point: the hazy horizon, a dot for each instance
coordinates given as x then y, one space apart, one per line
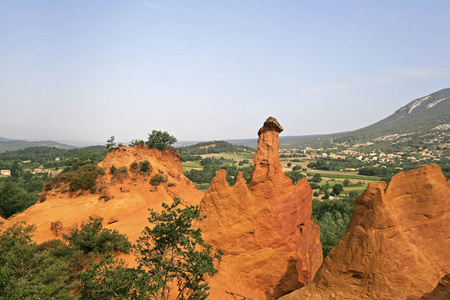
87 70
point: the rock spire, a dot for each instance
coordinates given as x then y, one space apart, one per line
270 241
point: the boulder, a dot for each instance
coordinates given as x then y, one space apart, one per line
124 189
113 220
94 217
56 227
164 178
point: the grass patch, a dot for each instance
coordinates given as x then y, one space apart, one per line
345 176
202 186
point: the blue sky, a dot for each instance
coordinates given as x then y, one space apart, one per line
204 70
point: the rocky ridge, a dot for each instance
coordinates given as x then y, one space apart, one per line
396 245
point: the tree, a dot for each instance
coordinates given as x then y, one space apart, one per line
346 182
317 178
140 143
29 271
111 142
16 170
337 189
324 188
160 140
289 164
295 176
171 251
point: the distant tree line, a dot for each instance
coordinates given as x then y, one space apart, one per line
213 147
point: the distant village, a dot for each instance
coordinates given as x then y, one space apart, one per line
375 158
33 171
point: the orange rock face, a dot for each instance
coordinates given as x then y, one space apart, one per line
270 242
396 245
123 201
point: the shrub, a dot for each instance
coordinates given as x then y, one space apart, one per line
56 181
145 166
156 180
139 143
84 181
112 170
84 178
120 174
134 167
94 238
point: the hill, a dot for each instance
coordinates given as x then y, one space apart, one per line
13 145
423 121
213 147
124 193
284 140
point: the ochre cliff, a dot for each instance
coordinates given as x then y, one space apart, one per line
397 243
270 242
123 201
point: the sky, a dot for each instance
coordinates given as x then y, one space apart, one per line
212 70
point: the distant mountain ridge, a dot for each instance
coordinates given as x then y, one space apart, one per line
422 114
426 119
13 145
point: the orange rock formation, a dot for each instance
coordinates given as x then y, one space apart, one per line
270 242
122 202
397 243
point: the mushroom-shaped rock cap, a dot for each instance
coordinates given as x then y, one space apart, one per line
271 124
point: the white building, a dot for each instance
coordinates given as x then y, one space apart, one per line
5 172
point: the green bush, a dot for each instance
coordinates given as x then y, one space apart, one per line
96 239
120 174
156 180
145 166
112 170
84 178
134 167
84 181
55 182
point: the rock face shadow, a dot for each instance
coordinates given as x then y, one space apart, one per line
288 283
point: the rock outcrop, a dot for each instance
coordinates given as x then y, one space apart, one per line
126 195
396 245
270 242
